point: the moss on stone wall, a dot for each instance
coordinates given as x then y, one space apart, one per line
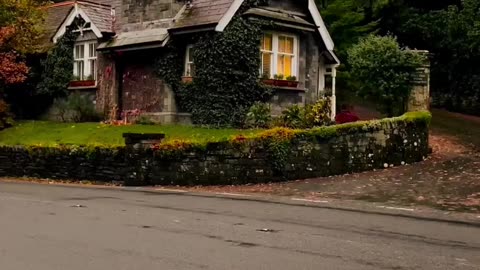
274 155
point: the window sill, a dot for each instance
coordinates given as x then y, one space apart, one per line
83 88
187 79
82 84
281 83
74 85
298 89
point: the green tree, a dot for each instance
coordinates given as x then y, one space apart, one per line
350 20
384 72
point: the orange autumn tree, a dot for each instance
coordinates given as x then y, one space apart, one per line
20 27
12 68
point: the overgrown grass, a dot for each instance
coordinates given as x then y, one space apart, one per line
52 134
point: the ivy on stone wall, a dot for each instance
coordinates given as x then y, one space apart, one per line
227 66
57 67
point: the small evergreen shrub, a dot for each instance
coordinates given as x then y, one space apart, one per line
316 115
319 114
259 116
144 120
293 117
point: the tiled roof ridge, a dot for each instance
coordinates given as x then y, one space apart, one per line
68 3
93 3
59 4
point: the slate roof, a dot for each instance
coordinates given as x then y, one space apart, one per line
203 12
100 14
127 39
54 17
280 15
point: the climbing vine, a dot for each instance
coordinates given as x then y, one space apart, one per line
226 81
57 67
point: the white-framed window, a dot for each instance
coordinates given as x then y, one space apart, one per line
279 54
189 62
85 61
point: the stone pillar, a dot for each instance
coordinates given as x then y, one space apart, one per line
420 96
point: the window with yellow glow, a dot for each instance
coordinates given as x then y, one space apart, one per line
279 55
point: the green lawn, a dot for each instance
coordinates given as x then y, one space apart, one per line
50 134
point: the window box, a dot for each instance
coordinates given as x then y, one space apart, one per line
86 83
187 79
281 83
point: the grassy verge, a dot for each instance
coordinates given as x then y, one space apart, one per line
52 134
94 134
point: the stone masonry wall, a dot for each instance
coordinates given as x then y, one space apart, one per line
141 14
108 84
141 88
365 147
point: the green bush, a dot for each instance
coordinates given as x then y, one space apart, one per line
319 114
384 72
76 108
259 116
293 117
144 120
316 115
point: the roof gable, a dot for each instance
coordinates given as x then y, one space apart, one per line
55 15
204 12
219 13
61 15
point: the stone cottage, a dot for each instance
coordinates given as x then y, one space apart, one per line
119 40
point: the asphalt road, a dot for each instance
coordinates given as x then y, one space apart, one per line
41 228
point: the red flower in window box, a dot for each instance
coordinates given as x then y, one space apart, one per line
86 83
281 83
268 81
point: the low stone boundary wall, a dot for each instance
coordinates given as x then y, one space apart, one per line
274 155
